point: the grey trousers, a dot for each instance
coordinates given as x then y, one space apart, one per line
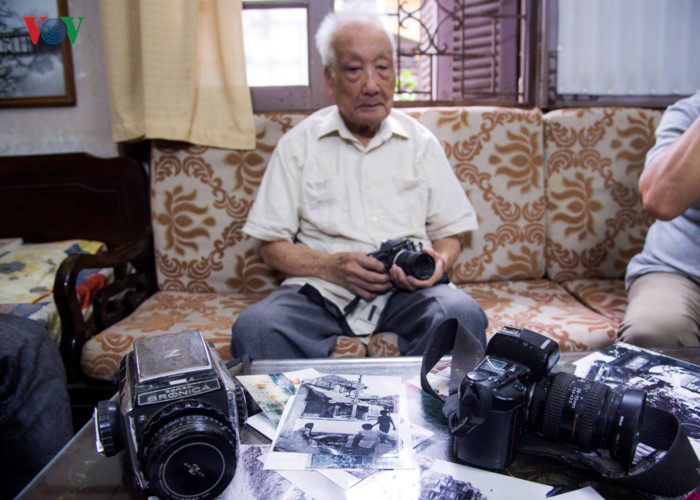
35 417
663 311
289 324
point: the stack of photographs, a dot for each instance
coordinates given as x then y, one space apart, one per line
344 422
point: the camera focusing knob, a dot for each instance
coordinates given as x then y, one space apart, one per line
241 406
107 428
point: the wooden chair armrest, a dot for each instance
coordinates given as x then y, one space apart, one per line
134 281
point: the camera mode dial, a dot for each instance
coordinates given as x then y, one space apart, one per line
477 376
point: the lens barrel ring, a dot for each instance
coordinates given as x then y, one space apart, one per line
540 390
554 404
581 430
590 420
177 409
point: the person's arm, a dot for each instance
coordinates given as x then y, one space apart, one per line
670 182
360 274
445 252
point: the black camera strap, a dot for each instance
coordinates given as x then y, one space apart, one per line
677 472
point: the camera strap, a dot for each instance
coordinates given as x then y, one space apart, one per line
675 472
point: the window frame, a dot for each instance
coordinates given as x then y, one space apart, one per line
536 59
295 97
547 95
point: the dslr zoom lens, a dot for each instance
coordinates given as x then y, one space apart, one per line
569 409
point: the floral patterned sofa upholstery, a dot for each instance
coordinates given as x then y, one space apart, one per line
556 194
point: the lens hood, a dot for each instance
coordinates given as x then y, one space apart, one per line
629 422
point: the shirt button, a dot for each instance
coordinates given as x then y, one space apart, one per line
374 218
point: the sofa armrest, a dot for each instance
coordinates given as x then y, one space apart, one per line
133 283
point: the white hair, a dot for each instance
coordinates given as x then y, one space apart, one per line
334 21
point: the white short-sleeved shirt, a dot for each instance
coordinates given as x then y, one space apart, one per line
325 190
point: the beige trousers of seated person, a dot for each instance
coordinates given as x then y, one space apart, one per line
663 311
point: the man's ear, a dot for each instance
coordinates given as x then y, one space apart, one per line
330 88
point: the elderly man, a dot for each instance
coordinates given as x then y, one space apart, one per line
340 183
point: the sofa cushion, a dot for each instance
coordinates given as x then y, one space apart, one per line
498 155
166 312
595 220
606 297
545 307
200 199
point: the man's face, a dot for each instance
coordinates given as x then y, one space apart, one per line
361 81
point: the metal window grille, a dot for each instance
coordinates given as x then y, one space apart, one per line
466 51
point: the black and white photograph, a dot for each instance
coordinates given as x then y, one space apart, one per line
450 480
253 482
345 479
671 384
344 422
34 72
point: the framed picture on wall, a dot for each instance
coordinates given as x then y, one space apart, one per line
36 65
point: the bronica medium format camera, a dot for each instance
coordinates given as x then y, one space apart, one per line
511 391
178 414
408 256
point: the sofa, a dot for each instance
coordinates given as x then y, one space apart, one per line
556 195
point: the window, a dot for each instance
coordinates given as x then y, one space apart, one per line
283 66
448 50
463 50
626 52
546 53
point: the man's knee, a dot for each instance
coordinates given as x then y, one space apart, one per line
653 328
661 312
30 348
22 332
247 330
460 305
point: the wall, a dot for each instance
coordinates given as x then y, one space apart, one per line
85 127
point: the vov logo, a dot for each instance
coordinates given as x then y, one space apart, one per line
53 30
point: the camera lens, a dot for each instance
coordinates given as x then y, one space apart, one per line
418 264
191 456
569 409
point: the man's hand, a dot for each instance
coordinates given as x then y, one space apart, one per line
362 275
445 251
357 272
410 283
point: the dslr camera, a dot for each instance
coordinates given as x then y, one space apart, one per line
178 413
511 391
408 256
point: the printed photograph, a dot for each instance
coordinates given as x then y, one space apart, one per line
671 384
449 480
438 479
253 482
271 392
344 422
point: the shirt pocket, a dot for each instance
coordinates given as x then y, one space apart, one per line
412 201
323 203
